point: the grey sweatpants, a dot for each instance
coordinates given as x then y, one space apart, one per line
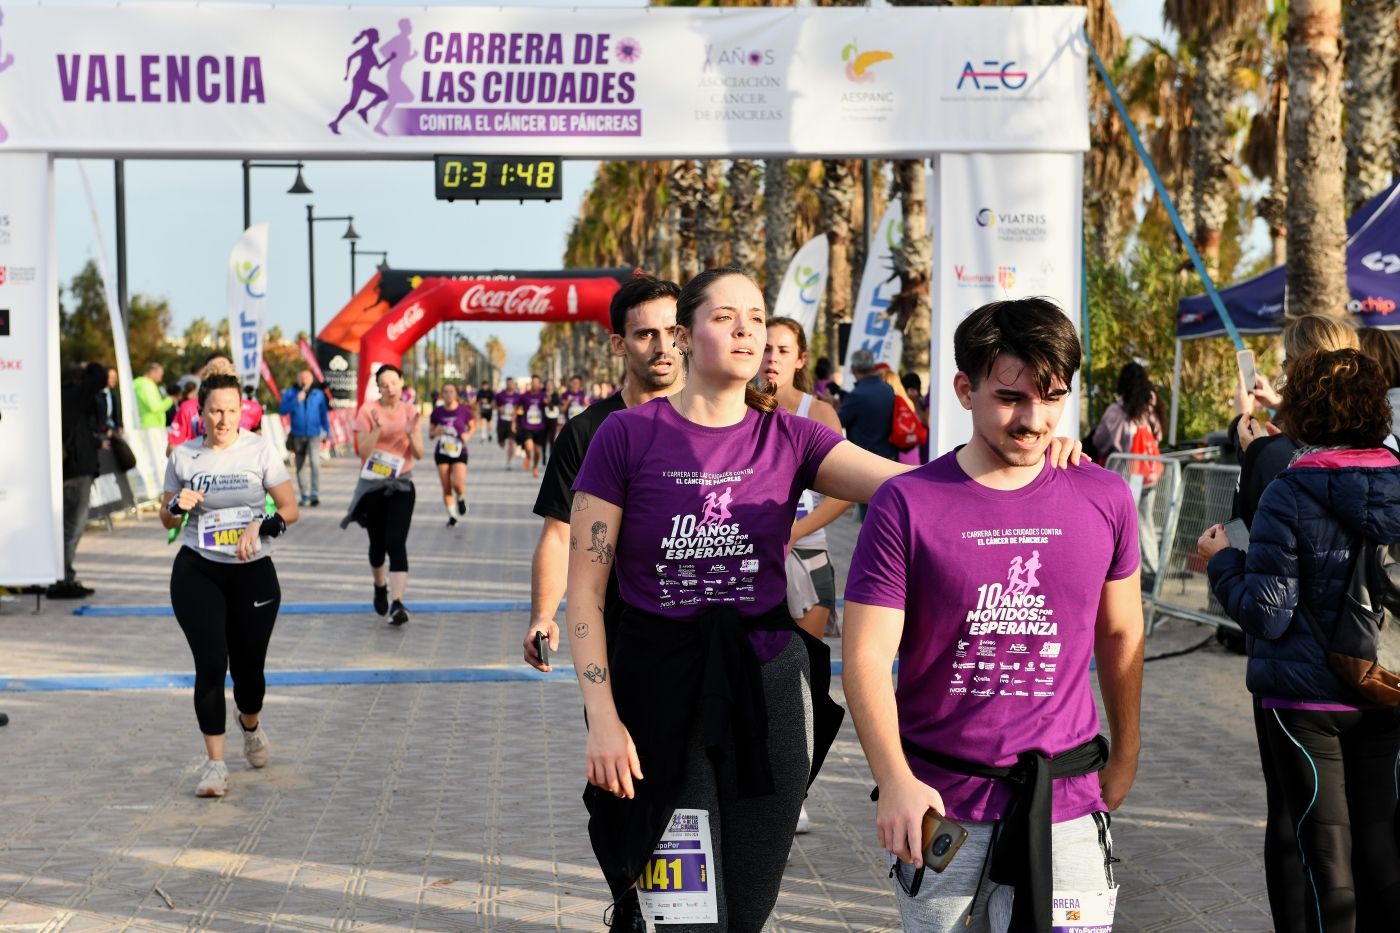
751 838
1082 853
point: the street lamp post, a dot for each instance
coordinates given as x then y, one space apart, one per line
354 251
311 221
298 186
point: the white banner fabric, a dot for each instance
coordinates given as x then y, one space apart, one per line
247 293
126 390
872 327
163 79
805 284
31 455
1009 226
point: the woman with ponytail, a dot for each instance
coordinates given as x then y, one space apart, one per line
709 689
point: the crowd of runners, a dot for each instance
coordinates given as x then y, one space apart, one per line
684 517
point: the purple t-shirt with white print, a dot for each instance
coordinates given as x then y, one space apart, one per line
1000 590
706 512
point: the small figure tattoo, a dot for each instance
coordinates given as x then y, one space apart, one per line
581 502
595 674
601 547
573 543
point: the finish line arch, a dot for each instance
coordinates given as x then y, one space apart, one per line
557 298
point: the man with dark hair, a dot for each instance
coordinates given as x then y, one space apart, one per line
996 578
643 315
81 440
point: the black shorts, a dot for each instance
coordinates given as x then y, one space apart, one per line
440 459
503 433
823 574
539 435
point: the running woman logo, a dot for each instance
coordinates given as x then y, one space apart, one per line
6 60
716 507
1012 608
365 60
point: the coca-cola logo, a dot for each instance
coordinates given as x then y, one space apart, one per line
411 315
522 299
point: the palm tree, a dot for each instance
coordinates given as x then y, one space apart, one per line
779 221
1317 274
685 183
913 260
1213 28
1265 149
1373 52
837 201
745 238
709 215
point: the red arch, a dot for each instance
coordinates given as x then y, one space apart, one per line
435 300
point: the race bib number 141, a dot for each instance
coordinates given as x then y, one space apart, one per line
675 884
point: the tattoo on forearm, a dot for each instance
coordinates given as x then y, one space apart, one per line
573 543
581 630
581 501
596 674
601 547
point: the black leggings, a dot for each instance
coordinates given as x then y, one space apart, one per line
227 612
387 519
1337 773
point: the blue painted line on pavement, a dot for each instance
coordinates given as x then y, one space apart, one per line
354 608
308 678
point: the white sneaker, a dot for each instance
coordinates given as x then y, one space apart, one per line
256 746
213 779
804 822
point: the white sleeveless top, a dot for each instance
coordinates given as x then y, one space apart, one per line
807 504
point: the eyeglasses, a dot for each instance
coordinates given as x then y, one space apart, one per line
912 888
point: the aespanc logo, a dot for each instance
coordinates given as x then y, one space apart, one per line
858 63
992 75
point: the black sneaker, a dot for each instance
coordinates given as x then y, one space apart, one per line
315 501
381 600
461 506
398 615
4 719
68 589
451 521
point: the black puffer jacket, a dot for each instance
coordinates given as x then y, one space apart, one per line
1300 547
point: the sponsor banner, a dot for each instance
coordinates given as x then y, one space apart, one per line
309 357
1009 227
805 284
872 326
126 392
31 458
267 377
207 79
247 293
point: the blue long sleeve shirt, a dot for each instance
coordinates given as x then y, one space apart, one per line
310 418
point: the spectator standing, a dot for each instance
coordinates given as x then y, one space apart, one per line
109 406
867 410
1131 426
309 409
152 403
81 440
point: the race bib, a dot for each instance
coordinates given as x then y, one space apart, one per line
533 416
1082 911
806 504
575 408
450 446
508 411
220 529
382 465
675 885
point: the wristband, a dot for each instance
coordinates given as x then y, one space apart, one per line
272 526
174 507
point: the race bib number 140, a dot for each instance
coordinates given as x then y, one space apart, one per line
220 529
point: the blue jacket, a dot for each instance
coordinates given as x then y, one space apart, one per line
310 418
1300 547
867 413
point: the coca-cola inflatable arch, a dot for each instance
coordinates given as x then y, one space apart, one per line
553 297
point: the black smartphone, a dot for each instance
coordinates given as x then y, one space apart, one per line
941 838
542 647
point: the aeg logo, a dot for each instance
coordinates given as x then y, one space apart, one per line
993 75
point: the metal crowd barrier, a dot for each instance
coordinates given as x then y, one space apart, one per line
1193 493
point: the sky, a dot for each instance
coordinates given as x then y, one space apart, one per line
183 218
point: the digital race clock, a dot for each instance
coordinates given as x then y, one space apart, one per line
497 178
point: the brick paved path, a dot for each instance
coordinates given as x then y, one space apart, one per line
455 806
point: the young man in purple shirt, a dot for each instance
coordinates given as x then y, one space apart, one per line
507 403
996 579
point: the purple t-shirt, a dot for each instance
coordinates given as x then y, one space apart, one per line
573 403
505 405
531 408
1000 591
706 512
458 420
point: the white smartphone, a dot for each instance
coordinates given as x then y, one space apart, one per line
1237 534
1245 359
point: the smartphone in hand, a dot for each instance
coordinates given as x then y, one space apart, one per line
941 840
542 647
1248 376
